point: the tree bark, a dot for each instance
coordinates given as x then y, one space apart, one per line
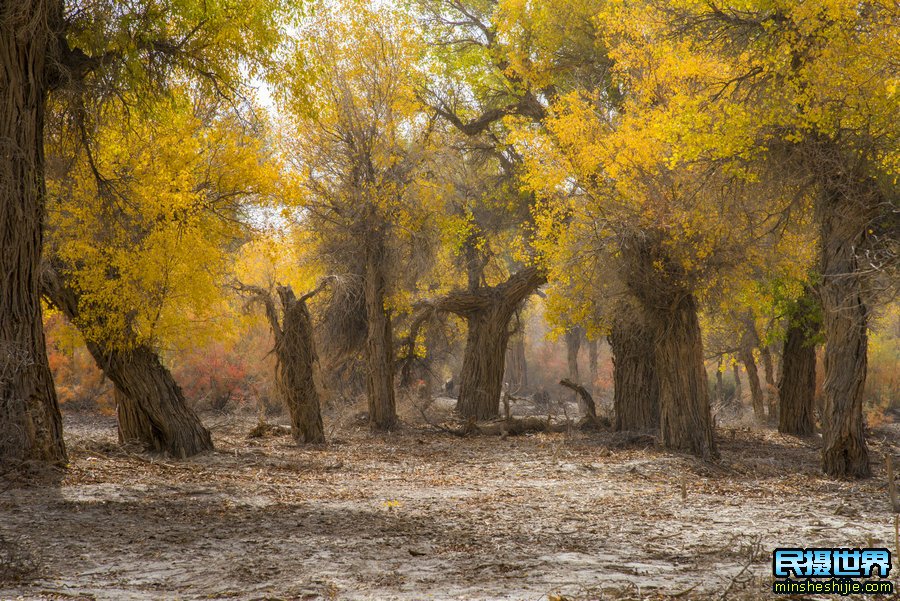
379 342
487 311
481 378
296 356
149 403
844 216
797 388
636 386
756 393
30 421
587 401
684 415
573 346
670 309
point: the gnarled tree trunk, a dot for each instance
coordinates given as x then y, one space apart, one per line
684 414
797 388
481 378
30 421
636 387
592 362
150 405
685 421
487 311
379 342
845 212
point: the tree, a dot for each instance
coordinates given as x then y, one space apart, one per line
51 47
141 218
360 149
296 358
809 90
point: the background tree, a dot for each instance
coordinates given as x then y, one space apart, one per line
359 147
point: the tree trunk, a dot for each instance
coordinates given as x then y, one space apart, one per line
150 405
846 340
797 388
738 391
296 354
573 346
487 311
636 387
684 413
30 421
516 365
756 393
771 387
481 378
592 363
379 343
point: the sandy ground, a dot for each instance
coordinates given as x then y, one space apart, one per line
421 514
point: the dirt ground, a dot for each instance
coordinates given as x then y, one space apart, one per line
422 514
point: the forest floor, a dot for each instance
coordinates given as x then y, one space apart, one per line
422 514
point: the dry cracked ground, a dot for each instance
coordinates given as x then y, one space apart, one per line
422 514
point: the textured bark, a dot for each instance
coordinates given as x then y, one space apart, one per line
295 353
592 362
487 311
738 389
684 412
153 411
30 421
150 405
379 342
636 387
671 312
481 378
843 224
756 392
797 388
516 364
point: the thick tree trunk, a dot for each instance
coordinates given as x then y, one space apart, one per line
516 364
797 388
296 354
487 311
756 392
846 340
684 413
636 387
150 405
738 389
30 421
379 343
771 395
481 378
